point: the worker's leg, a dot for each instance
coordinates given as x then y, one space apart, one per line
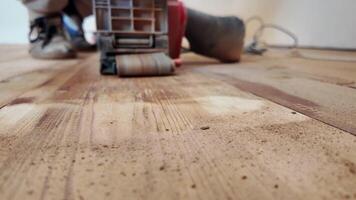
42 8
46 36
77 10
84 7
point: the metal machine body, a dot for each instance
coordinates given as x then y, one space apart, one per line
139 37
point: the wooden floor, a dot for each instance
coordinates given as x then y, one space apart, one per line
273 127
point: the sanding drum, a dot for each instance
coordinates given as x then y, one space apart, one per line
151 64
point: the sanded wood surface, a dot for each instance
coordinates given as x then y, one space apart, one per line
270 127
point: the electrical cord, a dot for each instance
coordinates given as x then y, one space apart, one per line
259 47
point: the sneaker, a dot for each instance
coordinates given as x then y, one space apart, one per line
73 25
47 39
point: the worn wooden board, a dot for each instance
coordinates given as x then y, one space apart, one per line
323 90
68 133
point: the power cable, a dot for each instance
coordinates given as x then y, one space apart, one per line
258 47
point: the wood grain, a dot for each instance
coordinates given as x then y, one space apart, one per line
320 89
68 133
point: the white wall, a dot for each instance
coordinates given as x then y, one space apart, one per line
13 22
330 23
323 23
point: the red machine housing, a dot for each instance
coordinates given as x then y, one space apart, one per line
177 17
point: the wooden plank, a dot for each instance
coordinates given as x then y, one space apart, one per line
320 89
13 52
22 75
189 136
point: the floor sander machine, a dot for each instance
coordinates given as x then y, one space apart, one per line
144 37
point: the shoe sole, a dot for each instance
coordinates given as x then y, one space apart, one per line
55 56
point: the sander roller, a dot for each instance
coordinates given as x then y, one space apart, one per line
144 37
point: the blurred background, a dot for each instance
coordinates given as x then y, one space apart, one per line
317 23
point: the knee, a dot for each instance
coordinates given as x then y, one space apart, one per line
84 7
46 6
